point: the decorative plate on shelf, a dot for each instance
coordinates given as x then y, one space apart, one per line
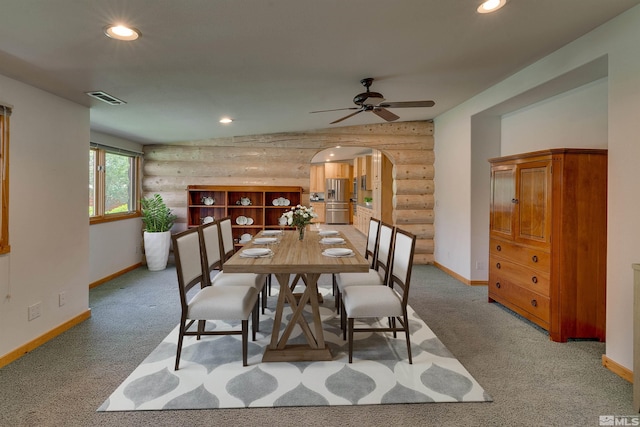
241 220
245 201
207 219
249 221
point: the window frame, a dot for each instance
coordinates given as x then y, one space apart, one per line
5 113
99 182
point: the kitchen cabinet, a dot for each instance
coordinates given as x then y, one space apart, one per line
251 208
365 173
547 256
362 217
317 176
337 170
318 207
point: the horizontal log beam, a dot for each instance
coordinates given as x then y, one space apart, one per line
423 259
421 231
414 201
405 171
412 217
413 186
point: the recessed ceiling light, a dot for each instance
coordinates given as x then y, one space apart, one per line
491 6
332 154
121 32
225 120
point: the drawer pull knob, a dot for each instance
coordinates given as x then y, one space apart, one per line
534 279
514 201
498 265
498 248
498 285
534 258
534 303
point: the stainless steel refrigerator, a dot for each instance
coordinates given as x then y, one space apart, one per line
336 201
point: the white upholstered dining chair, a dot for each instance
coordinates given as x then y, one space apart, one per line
212 242
374 301
202 302
377 275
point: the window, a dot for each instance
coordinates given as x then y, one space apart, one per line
113 183
5 112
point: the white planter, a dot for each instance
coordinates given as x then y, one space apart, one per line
156 249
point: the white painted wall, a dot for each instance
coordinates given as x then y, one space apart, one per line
48 225
618 40
114 246
574 119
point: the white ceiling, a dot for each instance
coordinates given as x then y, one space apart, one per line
268 63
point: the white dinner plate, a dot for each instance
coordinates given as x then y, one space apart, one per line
271 232
332 240
241 220
264 240
256 252
275 202
246 236
249 220
337 252
207 219
328 232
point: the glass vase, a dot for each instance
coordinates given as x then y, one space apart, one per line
300 229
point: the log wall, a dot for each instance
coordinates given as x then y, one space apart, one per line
284 159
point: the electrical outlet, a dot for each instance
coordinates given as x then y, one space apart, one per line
62 299
34 311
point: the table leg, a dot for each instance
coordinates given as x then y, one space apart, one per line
278 349
283 280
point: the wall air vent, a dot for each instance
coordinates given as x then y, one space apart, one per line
105 97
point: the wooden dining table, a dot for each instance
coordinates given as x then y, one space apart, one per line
303 258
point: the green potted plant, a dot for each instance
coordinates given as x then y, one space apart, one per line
368 201
157 220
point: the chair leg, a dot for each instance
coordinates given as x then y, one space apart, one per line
179 350
201 326
406 331
350 339
264 298
269 283
392 323
334 283
245 334
255 320
343 321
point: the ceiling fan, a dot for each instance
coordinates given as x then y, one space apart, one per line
374 102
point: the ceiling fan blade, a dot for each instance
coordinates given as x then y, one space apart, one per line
336 109
385 114
360 110
407 104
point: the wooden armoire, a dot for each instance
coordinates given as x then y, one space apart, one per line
548 239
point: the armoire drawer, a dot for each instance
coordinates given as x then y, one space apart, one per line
529 257
534 280
514 296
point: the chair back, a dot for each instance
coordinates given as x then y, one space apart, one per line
383 257
404 244
371 252
226 235
186 250
211 244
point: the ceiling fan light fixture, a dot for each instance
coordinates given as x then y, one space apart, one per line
489 6
122 32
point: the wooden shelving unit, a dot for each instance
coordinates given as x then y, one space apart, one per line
228 202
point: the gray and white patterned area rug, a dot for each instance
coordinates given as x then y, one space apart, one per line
211 374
